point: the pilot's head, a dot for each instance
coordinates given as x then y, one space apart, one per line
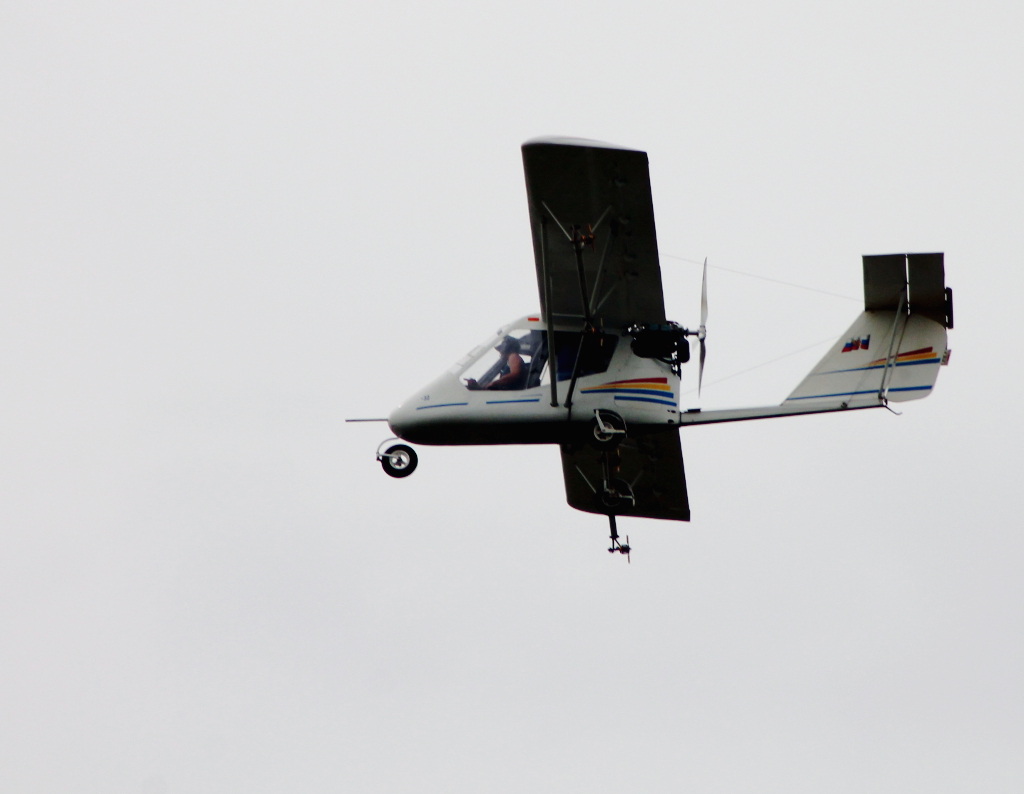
508 346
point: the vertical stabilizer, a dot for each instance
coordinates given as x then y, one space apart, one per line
894 349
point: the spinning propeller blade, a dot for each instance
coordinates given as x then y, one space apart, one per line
703 331
704 297
700 370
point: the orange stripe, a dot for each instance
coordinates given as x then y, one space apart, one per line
906 357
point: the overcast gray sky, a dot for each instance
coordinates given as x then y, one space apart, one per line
225 227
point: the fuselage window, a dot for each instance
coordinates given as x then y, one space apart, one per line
519 360
595 355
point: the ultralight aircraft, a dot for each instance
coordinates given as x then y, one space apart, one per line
597 370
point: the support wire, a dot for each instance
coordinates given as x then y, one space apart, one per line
764 278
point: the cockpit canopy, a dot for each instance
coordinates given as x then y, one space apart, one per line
516 358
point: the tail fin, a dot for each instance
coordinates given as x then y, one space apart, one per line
891 353
894 349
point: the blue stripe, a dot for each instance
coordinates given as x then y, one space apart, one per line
502 402
882 366
851 393
646 400
440 405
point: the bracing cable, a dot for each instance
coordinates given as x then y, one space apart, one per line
764 278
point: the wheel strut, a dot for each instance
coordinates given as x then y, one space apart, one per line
621 548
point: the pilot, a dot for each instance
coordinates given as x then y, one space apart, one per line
513 369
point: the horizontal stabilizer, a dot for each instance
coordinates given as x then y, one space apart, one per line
885 282
894 282
929 295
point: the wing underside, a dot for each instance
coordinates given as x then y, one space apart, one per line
594 199
641 477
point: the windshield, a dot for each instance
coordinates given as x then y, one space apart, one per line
517 359
513 362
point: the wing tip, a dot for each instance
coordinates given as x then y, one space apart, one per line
566 140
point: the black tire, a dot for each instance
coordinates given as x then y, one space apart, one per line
399 461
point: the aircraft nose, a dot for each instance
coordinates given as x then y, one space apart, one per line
402 419
410 422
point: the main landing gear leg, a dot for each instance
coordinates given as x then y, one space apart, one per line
621 548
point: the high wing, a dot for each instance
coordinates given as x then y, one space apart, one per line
891 353
595 199
648 467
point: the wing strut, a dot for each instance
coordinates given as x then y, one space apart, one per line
576 369
890 360
580 240
549 315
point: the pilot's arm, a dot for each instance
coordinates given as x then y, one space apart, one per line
513 376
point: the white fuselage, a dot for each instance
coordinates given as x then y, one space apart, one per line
642 391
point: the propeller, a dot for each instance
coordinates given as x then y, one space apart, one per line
702 332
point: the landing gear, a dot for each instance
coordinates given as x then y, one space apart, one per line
621 548
609 429
616 492
398 460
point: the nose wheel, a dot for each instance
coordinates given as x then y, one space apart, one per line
397 460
